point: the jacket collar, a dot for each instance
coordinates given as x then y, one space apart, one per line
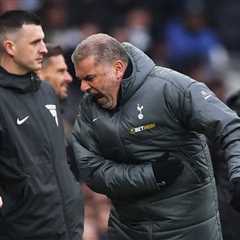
141 67
21 83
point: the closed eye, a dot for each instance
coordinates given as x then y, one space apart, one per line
89 78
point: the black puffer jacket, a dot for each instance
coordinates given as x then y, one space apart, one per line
159 111
41 199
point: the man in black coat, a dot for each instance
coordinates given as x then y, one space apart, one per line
41 198
140 138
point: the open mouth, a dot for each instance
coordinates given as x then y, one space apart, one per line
96 94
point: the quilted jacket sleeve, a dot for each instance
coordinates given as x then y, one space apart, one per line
104 175
203 112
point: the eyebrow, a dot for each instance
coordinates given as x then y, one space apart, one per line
88 77
36 40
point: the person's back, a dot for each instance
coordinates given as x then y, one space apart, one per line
41 199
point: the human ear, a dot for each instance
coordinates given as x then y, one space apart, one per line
119 69
9 47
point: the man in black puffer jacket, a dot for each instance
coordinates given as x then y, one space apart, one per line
41 198
140 138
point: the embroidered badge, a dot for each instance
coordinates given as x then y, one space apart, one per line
142 128
53 111
140 108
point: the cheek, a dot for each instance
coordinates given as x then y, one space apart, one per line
23 57
28 54
58 84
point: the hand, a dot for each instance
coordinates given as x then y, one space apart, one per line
235 201
166 170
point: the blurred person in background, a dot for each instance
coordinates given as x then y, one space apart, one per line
55 71
138 23
189 35
40 197
140 139
56 17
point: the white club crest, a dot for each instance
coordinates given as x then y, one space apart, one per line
140 108
53 111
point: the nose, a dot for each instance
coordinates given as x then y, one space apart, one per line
43 48
84 86
67 77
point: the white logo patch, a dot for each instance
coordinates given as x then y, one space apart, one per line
21 121
205 95
53 111
140 108
95 119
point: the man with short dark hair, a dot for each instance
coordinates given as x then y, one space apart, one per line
41 199
140 139
55 70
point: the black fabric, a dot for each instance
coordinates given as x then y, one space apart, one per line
129 69
235 201
41 198
166 170
28 82
72 161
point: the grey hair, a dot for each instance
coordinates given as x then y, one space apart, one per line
102 47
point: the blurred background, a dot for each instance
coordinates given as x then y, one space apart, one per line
196 37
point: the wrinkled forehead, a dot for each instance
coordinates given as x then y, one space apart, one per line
86 64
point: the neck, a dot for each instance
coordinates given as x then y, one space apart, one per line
10 66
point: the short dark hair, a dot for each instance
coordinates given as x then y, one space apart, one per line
53 50
12 20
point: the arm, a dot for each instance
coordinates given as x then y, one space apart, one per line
203 112
116 180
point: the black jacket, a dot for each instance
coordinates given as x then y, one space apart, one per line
159 111
41 199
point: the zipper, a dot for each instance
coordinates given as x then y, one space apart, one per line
51 148
59 185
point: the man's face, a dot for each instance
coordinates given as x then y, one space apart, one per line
28 48
100 79
56 72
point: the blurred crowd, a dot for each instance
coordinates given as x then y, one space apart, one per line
195 37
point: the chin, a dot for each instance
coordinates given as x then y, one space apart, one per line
36 67
63 97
